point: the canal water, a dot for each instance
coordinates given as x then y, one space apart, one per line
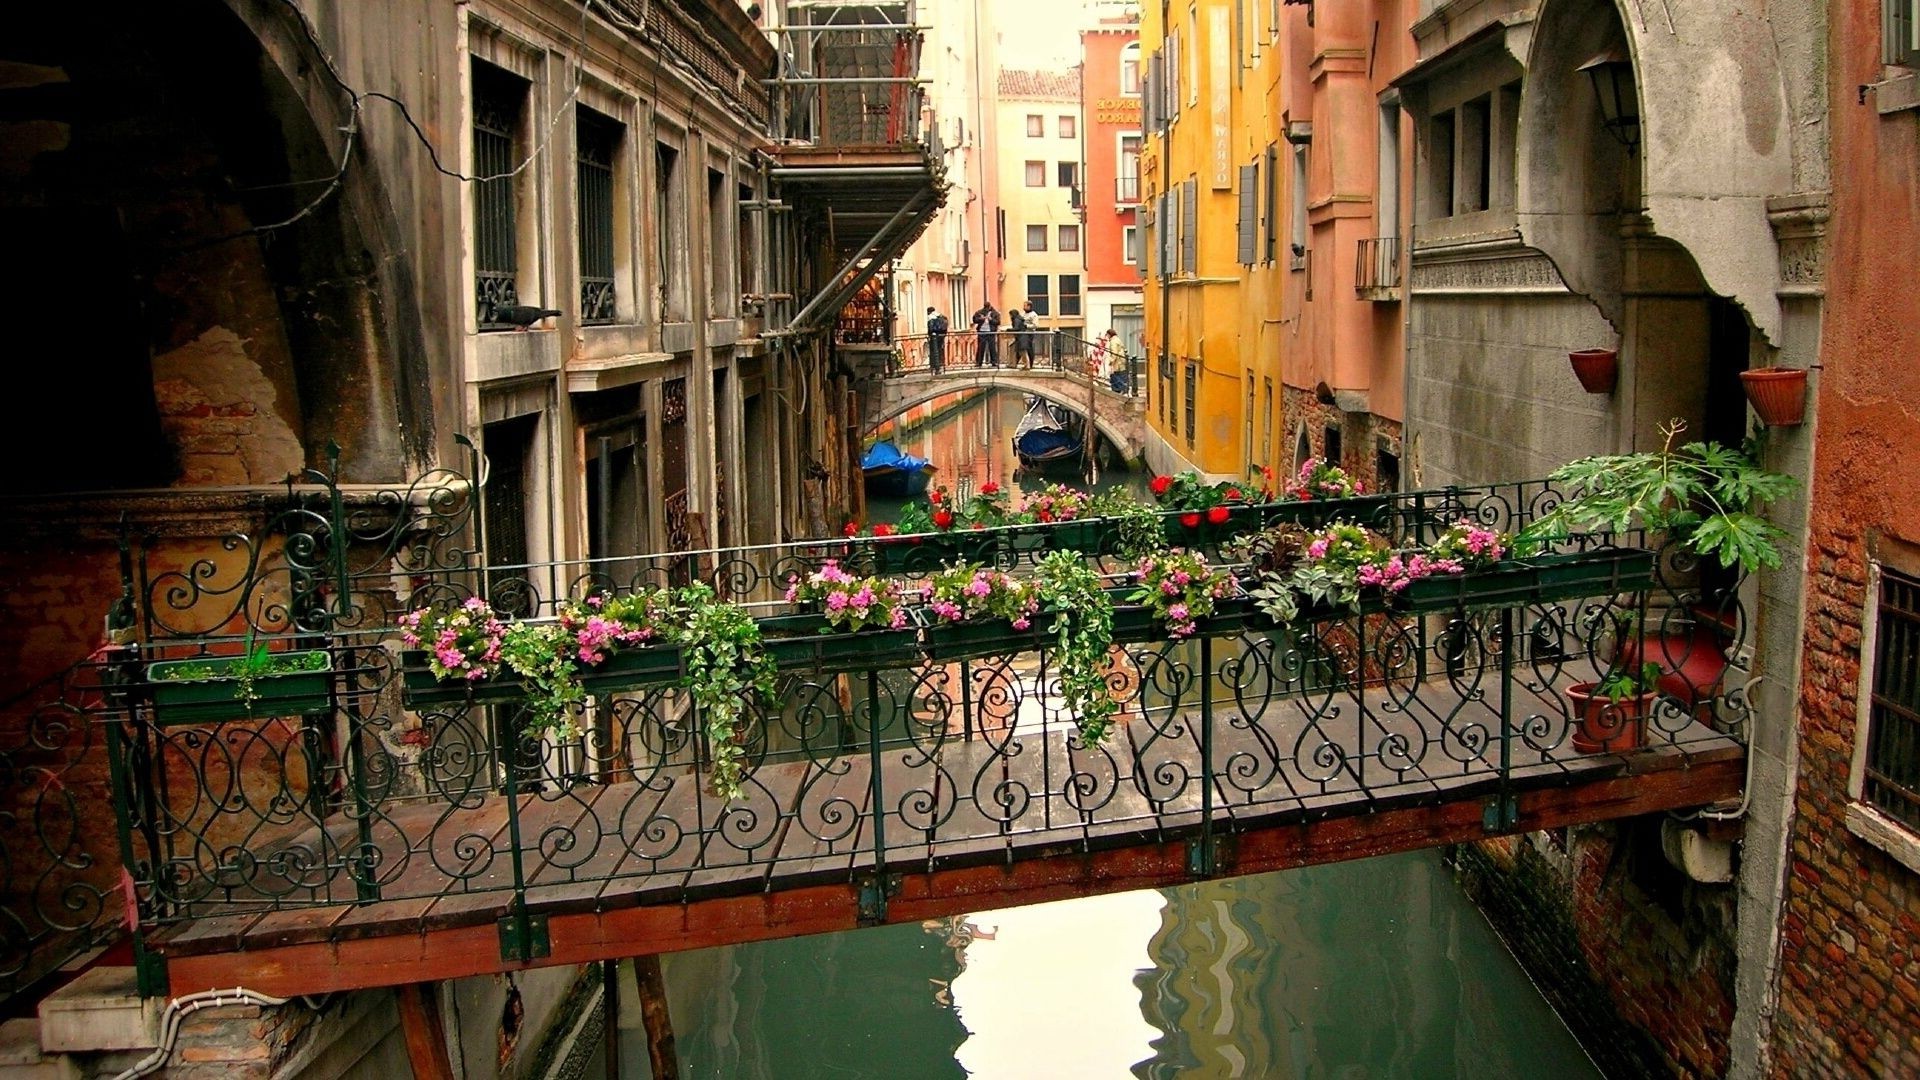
1371 970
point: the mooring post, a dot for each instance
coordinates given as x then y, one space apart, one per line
661 1056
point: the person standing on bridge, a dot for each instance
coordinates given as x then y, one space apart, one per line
936 340
986 326
1026 325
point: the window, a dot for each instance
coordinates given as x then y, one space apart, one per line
1298 234
669 206
720 300
1130 245
1069 295
1036 174
1474 152
1266 423
1036 238
498 98
1127 170
743 239
1068 173
1890 777
1439 186
1066 127
1387 209
1188 406
1900 33
1246 436
1330 443
1249 222
1036 125
1504 152
1170 95
1189 225
1037 293
596 142
1069 238
1130 70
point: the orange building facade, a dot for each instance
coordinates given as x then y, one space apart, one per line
1110 115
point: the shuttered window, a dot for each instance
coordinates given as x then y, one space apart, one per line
1272 214
1189 220
1249 212
1150 99
1168 223
1900 32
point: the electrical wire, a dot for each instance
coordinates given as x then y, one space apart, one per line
181 1007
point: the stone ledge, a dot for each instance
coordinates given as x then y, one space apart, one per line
1884 833
100 1010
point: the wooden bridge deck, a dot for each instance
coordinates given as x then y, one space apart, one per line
622 869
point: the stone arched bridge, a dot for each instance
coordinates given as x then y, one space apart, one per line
1121 418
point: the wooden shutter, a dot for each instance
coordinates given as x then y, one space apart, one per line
1189 217
1249 211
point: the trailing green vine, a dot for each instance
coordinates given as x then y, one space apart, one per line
1083 637
725 666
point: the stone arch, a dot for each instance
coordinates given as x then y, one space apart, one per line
1129 446
1716 142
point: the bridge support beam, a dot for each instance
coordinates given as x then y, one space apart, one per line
1545 800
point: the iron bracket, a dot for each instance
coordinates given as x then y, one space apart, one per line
1500 813
874 891
1209 856
523 937
149 970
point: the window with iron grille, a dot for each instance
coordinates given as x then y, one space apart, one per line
597 139
1892 777
498 98
1193 389
1069 294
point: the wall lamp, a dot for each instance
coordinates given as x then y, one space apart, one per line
1612 76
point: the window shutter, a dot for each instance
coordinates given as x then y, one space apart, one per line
1189 215
1169 229
1249 186
1150 95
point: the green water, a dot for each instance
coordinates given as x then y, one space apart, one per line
1372 969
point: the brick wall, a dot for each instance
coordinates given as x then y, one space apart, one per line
1849 989
1637 961
1360 436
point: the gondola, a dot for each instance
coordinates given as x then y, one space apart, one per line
1047 435
891 473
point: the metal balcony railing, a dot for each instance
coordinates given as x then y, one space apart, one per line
1126 190
889 749
1376 266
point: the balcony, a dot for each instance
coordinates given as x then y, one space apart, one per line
1376 269
1126 190
377 808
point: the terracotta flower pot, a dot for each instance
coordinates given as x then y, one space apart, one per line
1779 395
1597 369
1602 725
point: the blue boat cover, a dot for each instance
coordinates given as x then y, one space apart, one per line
1044 443
885 455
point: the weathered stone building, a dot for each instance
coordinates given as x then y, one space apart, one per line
270 227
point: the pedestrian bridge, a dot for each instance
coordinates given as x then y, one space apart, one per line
393 830
1060 373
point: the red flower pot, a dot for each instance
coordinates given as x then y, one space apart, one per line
1597 369
1602 725
1779 395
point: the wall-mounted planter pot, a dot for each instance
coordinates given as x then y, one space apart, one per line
1597 369
203 689
1779 395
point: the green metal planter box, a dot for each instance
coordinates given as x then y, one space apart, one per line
1089 536
201 689
1241 519
922 554
1541 579
420 686
1133 624
1235 615
633 669
950 641
1369 510
809 642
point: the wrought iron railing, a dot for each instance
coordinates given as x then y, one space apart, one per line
933 746
964 351
1126 190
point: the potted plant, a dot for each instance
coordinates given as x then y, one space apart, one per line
1082 638
1197 511
1778 395
625 641
1610 715
253 683
846 622
451 653
1321 492
973 611
1178 589
1703 494
1597 369
727 669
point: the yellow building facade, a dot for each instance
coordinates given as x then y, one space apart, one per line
1274 152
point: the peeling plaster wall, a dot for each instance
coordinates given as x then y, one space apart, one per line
222 414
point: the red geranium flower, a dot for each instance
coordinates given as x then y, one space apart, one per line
1045 515
943 518
883 529
1217 515
1234 494
979 525
1191 521
1160 484
989 488
853 528
934 496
